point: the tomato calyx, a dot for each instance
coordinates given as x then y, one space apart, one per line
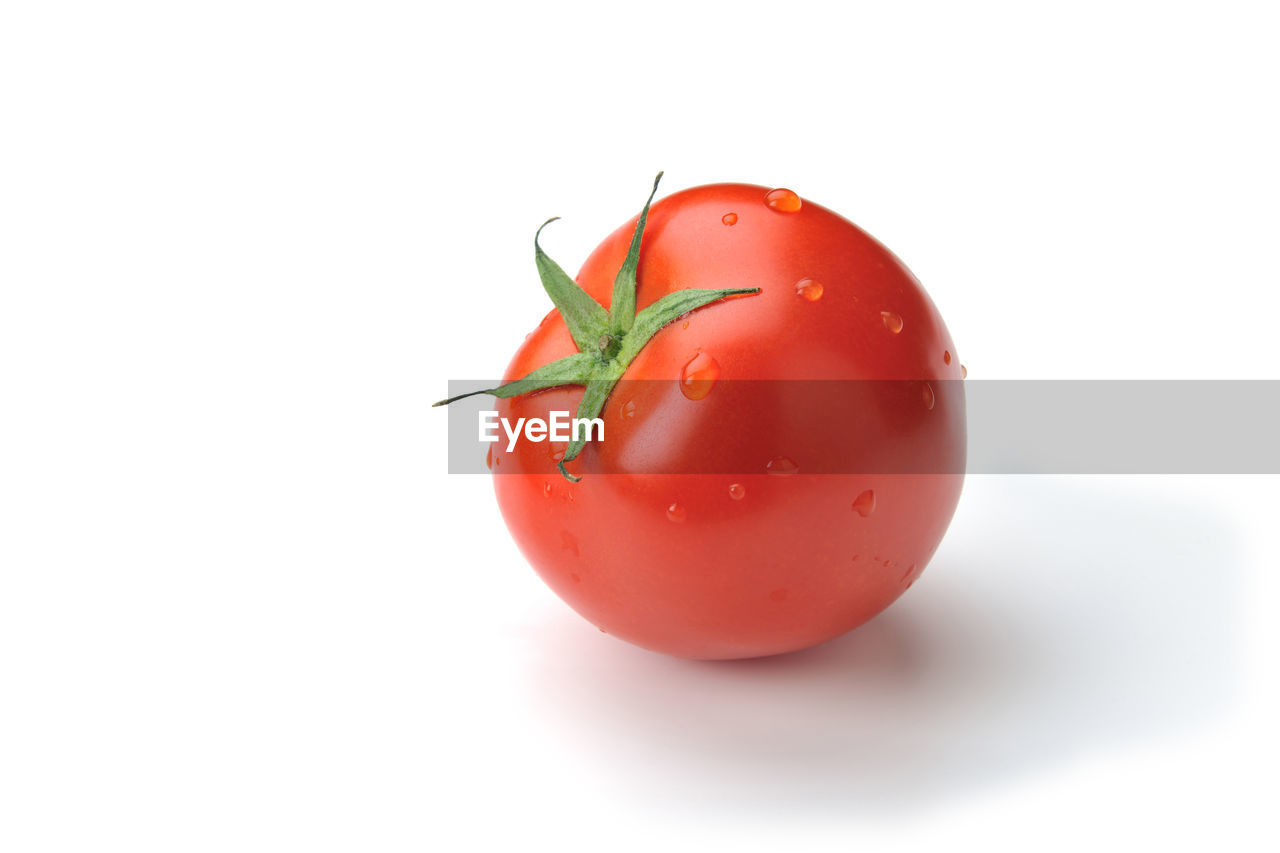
609 346
607 340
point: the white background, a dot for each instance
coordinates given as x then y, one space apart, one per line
242 246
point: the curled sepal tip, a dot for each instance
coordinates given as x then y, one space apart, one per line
587 320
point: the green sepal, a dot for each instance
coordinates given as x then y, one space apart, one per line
665 310
600 384
648 323
608 340
622 309
571 370
587 320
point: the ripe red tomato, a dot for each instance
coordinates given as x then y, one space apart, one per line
772 559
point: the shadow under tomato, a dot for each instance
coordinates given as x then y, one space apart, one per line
1072 616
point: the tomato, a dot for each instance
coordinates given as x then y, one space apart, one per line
781 544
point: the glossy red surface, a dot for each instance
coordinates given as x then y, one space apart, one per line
767 558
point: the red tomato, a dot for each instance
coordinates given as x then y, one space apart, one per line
773 559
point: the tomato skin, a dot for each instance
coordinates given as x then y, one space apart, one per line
682 564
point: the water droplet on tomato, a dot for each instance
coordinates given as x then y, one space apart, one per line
782 200
855 559
926 394
865 504
575 577
737 491
699 376
782 466
729 219
946 356
676 513
892 321
809 289
908 573
778 595
546 490
488 458
964 372
556 451
629 409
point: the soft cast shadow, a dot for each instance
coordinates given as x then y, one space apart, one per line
1073 619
